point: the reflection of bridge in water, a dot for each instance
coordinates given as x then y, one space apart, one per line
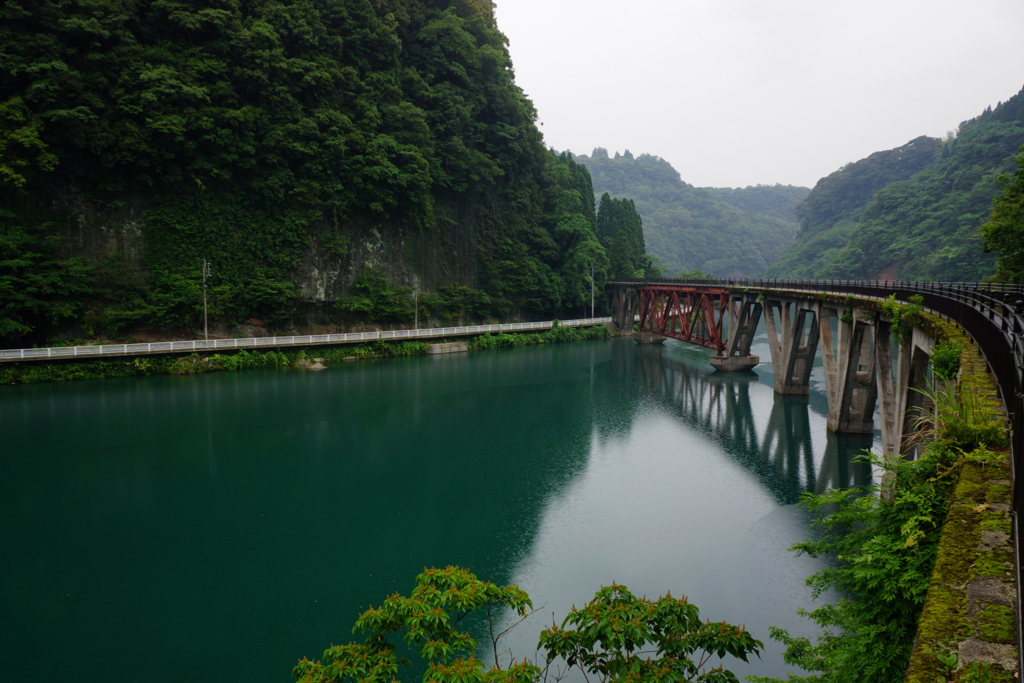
780 453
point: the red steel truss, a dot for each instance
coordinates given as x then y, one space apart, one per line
688 314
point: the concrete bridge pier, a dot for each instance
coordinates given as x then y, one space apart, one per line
744 315
860 371
793 334
625 302
850 379
911 378
900 400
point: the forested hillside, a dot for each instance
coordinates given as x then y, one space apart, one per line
324 157
688 228
776 200
913 212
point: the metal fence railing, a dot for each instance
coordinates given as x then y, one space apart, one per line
110 350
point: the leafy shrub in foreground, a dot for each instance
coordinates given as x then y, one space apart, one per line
614 637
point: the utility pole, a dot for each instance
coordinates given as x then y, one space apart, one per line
206 275
591 290
416 304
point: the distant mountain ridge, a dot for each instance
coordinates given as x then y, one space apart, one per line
721 231
912 212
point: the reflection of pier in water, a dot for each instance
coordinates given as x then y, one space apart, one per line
782 455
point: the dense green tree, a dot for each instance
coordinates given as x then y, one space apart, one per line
620 230
585 266
573 189
1004 231
21 150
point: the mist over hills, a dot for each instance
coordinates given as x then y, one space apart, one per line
723 232
913 212
776 200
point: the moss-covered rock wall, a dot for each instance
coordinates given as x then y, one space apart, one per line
968 627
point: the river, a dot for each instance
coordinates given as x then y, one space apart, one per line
218 527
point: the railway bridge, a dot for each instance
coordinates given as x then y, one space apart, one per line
869 359
844 321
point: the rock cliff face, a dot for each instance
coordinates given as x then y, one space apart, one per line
325 268
97 232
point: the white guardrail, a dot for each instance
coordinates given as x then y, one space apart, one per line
270 342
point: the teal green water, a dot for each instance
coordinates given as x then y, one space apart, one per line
221 526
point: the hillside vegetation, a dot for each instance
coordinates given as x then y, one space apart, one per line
326 157
913 212
735 233
1004 232
776 200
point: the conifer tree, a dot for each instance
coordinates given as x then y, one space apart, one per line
620 230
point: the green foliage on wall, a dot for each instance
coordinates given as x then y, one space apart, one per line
945 359
885 551
904 316
36 285
456 302
885 547
374 299
557 334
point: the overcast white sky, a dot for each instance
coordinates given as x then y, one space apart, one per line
740 92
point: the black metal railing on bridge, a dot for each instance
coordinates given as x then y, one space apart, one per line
992 313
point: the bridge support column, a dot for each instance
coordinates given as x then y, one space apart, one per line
793 340
911 377
744 315
850 372
901 404
625 301
889 408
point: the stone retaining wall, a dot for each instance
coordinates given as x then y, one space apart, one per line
967 632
